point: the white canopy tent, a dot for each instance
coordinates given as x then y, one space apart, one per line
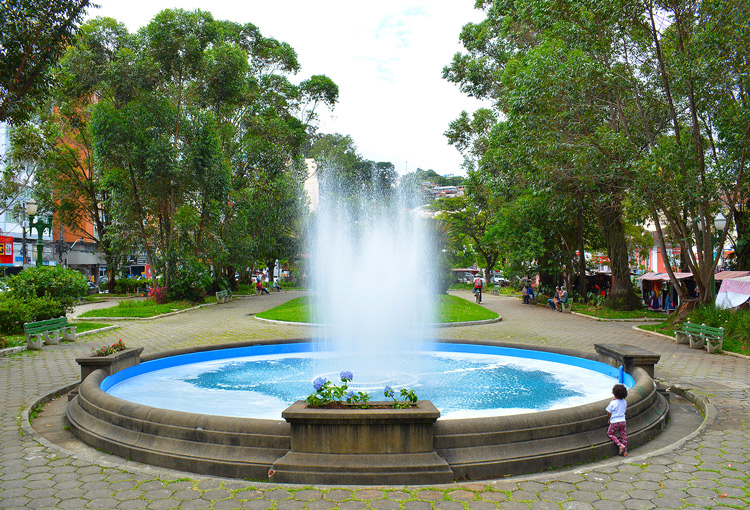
733 292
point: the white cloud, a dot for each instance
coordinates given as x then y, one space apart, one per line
386 56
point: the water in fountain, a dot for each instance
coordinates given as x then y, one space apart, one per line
373 281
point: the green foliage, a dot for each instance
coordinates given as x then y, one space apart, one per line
32 36
408 397
53 281
13 314
44 308
190 281
328 393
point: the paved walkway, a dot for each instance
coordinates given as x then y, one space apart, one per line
708 470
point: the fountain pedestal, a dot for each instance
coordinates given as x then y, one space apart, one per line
361 446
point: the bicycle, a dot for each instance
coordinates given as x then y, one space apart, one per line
478 294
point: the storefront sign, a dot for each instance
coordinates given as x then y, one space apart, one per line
6 250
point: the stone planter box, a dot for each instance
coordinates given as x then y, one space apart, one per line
112 363
361 446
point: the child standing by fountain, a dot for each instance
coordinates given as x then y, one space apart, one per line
616 410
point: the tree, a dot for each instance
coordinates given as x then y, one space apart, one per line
210 137
616 102
33 36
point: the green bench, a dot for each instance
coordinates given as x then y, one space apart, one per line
700 336
48 331
223 296
567 305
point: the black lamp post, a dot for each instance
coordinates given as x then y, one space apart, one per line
41 225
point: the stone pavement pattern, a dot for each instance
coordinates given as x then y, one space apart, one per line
709 470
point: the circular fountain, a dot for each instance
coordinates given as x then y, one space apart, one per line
360 250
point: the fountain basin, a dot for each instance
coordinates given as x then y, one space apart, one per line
473 448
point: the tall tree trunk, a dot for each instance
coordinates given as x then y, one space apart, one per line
582 290
621 295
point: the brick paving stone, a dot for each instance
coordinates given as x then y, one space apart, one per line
368 494
449 505
605 504
415 505
277 495
289 504
102 503
638 504
461 495
352 505
513 505
543 505
553 496
306 495
134 504
320 504
257 504
398 495
494 496
586 496
429 495
338 495
577 505
697 473
385 504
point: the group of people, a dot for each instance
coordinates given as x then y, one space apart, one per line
260 289
556 302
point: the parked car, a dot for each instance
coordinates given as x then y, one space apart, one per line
500 280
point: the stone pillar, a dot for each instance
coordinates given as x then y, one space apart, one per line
627 356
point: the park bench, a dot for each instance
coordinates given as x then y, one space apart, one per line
567 305
48 331
700 336
223 296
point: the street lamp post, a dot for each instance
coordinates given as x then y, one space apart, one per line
720 223
41 225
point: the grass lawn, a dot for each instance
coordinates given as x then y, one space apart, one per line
449 309
18 340
140 309
606 313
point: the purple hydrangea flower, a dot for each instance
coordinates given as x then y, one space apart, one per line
346 375
388 391
319 382
350 394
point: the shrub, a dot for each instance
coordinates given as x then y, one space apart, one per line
190 281
159 295
13 313
736 324
47 308
130 285
53 281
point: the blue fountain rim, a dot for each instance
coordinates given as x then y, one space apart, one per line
300 347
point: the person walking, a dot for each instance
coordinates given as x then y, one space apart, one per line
616 410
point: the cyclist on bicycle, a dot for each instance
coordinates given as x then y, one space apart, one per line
478 284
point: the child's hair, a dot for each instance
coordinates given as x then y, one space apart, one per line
619 391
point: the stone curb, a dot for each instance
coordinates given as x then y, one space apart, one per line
93 319
21 348
438 325
707 409
599 319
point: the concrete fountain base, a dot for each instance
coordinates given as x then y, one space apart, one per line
315 448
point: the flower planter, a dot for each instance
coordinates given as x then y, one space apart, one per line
380 445
112 363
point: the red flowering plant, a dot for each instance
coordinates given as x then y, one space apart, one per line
158 294
108 349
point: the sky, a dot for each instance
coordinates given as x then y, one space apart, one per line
386 56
